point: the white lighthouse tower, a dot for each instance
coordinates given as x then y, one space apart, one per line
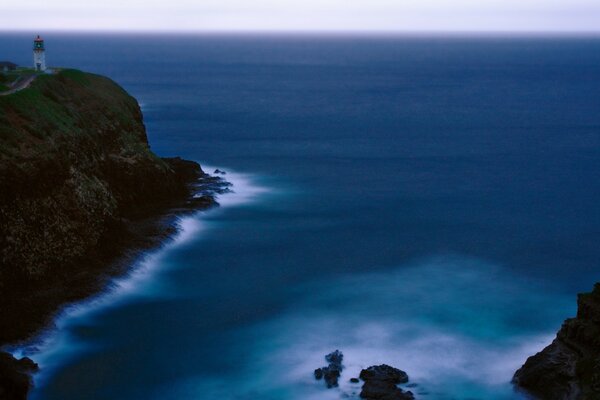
39 54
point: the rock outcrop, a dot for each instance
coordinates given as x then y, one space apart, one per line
331 373
381 383
15 376
569 368
79 189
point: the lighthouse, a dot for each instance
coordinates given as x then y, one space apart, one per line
39 54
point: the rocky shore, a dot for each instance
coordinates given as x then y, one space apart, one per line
81 195
569 368
380 381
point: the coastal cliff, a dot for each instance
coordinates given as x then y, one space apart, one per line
569 368
79 189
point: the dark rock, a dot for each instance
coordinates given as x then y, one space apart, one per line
551 373
15 377
319 374
384 373
569 368
185 170
332 372
331 376
380 390
335 358
218 171
381 383
354 380
81 194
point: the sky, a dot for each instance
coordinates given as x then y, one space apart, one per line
302 15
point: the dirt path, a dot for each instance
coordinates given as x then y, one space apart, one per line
21 84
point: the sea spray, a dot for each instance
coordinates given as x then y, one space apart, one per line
57 345
450 322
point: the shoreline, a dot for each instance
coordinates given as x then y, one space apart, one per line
119 256
85 198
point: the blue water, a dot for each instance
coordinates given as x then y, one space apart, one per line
431 203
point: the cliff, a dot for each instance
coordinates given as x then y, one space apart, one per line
569 368
79 188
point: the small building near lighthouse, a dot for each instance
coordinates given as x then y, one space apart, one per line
7 66
39 54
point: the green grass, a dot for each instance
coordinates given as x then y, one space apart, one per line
11 77
76 75
23 70
70 106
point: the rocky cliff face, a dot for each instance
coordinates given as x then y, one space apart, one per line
79 186
569 368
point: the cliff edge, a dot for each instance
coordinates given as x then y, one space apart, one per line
569 368
79 188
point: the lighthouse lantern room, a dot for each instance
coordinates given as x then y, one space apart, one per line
39 54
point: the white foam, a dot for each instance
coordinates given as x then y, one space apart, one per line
244 186
55 345
448 323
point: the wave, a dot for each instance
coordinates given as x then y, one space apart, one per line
452 323
56 345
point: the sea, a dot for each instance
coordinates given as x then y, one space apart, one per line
430 202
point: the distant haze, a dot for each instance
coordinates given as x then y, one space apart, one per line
301 15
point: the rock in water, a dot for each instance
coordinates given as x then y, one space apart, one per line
569 368
384 372
319 374
331 376
15 376
335 359
331 373
381 383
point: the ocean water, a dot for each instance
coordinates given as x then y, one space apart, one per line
427 202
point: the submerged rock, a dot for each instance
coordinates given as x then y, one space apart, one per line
332 372
381 383
569 368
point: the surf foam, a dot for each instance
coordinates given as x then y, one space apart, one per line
54 346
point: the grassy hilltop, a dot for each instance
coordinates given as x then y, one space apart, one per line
11 78
71 105
80 189
75 167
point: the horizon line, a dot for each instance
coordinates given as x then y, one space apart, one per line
378 32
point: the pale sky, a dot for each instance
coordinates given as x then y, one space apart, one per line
312 15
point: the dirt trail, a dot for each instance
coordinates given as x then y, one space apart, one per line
20 85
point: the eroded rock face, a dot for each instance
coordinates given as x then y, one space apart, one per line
15 376
569 368
80 191
75 162
331 373
381 383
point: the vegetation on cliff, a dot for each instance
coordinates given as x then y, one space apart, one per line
75 171
73 159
